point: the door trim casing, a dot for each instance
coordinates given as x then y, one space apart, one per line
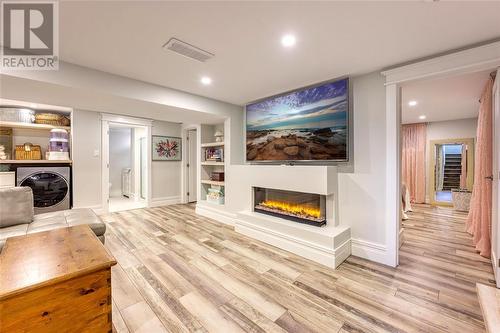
106 119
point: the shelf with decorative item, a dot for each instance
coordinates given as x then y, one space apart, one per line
212 182
14 124
214 163
212 144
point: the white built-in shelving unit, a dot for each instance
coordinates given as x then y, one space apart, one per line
37 134
207 167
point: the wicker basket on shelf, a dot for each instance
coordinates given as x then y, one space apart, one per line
34 152
51 119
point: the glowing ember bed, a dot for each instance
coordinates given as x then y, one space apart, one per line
299 207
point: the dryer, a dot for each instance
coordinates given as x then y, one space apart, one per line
51 186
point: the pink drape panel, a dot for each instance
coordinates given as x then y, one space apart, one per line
479 218
414 138
463 174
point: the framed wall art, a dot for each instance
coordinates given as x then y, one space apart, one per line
166 148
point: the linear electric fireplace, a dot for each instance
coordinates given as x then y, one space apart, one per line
300 207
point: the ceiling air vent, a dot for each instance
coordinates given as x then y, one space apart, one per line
187 50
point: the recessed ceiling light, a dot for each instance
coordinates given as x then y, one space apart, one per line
288 40
412 103
206 80
422 117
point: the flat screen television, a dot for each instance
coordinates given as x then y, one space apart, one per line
305 125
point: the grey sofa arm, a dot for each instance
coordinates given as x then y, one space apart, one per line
16 206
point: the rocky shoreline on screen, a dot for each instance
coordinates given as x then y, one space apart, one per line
319 144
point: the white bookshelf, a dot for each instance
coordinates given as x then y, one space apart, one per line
210 166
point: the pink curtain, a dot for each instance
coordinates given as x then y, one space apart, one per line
414 138
463 174
479 218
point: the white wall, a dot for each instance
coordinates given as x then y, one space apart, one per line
120 157
452 129
166 175
86 166
362 192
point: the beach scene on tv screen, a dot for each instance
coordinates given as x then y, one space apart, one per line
308 124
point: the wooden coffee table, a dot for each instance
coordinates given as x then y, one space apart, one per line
55 281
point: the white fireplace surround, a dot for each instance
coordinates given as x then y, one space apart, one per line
328 245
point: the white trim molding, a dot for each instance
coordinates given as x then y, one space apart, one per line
106 120
165 201
97 209
393 172
115 118
475 59
369 250
213 212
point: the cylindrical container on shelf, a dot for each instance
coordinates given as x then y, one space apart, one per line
59 140
58 134
17 115
58 146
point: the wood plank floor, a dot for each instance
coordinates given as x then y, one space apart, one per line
180 272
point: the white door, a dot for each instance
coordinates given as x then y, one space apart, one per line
495 221
191 166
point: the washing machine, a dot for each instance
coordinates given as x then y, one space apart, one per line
51 186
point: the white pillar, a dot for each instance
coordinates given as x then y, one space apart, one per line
393 172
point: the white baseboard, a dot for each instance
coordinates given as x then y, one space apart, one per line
494 262
165 201
97 208
369 250
215 213
401 237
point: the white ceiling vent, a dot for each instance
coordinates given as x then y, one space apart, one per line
187 50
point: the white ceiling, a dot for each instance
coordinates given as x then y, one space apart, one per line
443 99
333 39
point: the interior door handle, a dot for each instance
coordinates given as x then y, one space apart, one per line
489 177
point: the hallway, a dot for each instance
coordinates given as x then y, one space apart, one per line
439 254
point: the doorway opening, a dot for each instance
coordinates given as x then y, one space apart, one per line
126 167
440 126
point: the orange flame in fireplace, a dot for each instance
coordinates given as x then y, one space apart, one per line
292 208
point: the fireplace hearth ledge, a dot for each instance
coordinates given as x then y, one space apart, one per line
329 245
